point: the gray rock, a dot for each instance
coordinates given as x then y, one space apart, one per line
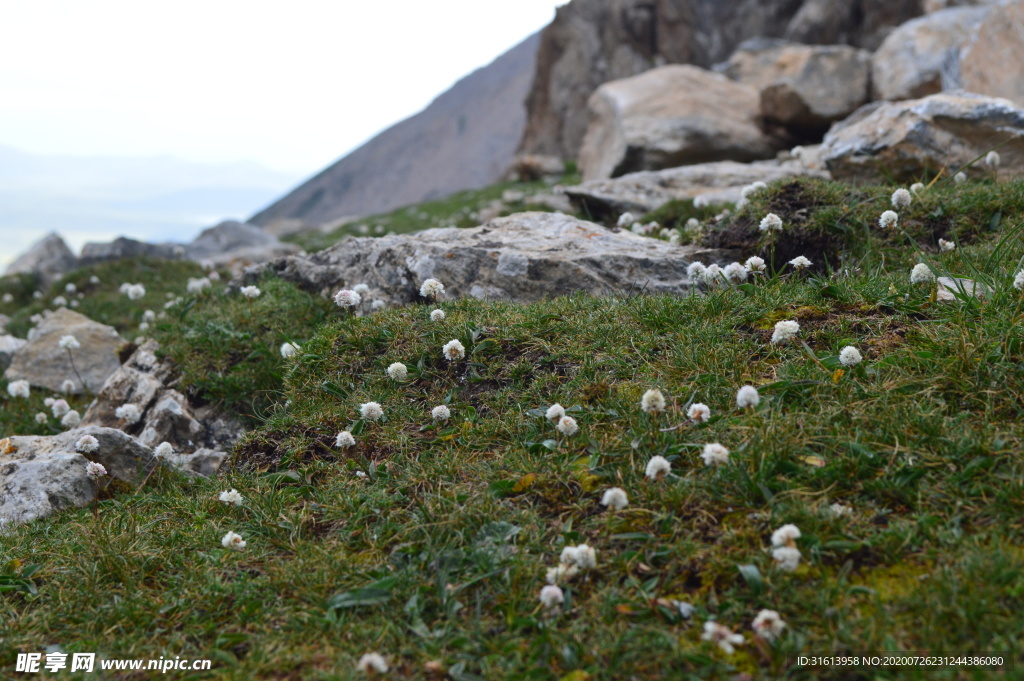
990 60
122 247
908 138
640 193
202 462
654 121
955 288
44 364
921 57
236 245
49 258
9 345
120 453
523 257
33 487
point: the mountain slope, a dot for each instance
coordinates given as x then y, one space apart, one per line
465 139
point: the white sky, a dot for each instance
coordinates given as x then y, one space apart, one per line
291 85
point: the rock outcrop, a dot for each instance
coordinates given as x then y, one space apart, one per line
523 257
49 258
44 364
123 247
909 138
990 62
236 244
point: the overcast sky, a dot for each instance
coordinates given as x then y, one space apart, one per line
292 86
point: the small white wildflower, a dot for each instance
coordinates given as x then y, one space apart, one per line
441 413
561 573
344 439
657 467
437 315
397 371
95 470
70 288
288 350
755 265
60 301
361 475
59 408
960 178
67 386
567 426
768 625
992 159
431 288
714 453
946 245
233 541
231 497
771 223
135 291
695 270
361 289
584 557
722 635
49 401
144 326
698 412
784 331
71 419
917 188
800 262
747 396
68 342
41 417
213 276
129 413
625 220
372 663
377 305
18 389
785 535
653 401
850 356
164 449
735 272
787 557
921 274
8 298
371 411
551 595
37 295
250 292
149 316
87 444
839 510
901 198
752 189
637 228
615 498
346 298
453 350
555 412
1018 281
888 220
197 285
713 275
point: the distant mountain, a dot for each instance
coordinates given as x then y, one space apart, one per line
465 139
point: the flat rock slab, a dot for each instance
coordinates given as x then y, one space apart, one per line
44 364
522 258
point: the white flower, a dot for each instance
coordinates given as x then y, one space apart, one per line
437 315
69 342
784 331
70 288
95 470
59 408
164 449
346 298
735 272
71 419
917 188
250 292
18 388
231 497
747 396
839 510
771 223
713 275
800 262
213 276
946 245
695 270
129 412
60 301
1018 281
637 228
768 625
752 189
787 557
698 412
453 350
378 304
234 541
785 535
960 178
197 285
288 350
397 371
584 557
87 444
555 412
653 401
562 572
888 220
567 426
361 289
49 401
850 356
921 274
551 596
41 417
441 413
371 411
67 386
134 291
8 298
372 663
144 326
625 220
431 288
344 439
714 453
720 634
901 198
657 466
615 498
992 159
754 264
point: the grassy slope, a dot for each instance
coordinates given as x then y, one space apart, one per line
440 553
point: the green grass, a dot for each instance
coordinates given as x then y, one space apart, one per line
439 553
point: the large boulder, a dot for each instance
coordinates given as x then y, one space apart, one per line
922 56
803 88
719 182
123 247
9 345
671 116
44 364
909 138
990 62
522 257
49 258
236 244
